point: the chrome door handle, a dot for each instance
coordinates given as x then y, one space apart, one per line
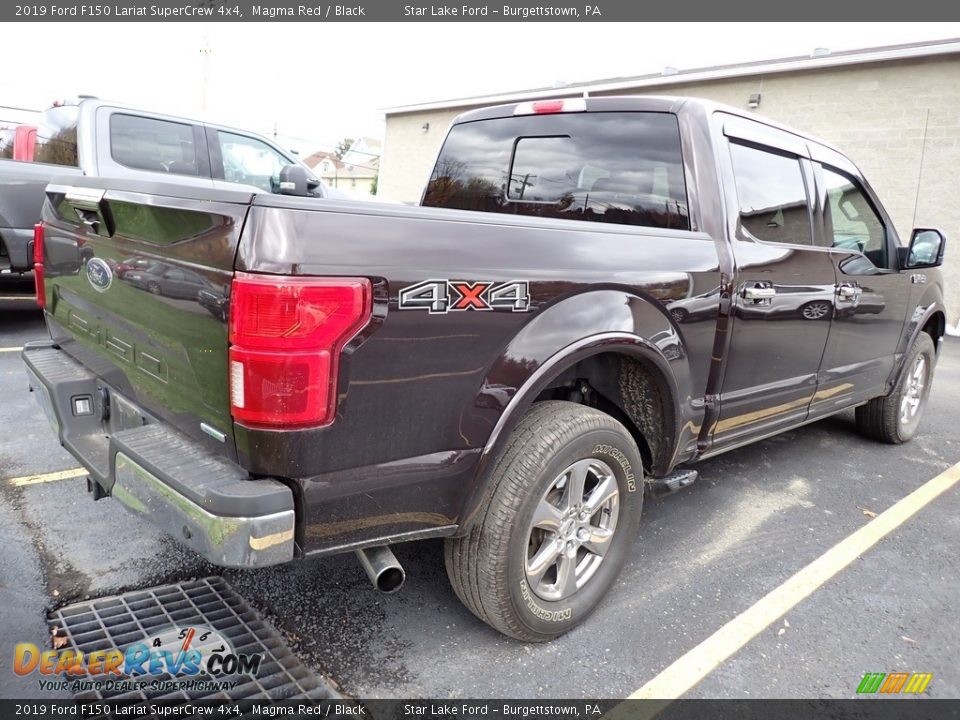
759 293
849 292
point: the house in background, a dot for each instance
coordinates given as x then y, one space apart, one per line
356 173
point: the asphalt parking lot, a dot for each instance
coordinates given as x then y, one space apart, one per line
704 557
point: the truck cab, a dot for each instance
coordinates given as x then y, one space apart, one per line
97 138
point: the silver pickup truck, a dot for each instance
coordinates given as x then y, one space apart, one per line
98 138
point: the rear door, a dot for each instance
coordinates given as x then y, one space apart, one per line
783 283
151 147
161 351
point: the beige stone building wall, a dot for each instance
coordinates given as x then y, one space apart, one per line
409 153
899 121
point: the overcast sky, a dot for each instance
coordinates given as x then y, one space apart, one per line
321 82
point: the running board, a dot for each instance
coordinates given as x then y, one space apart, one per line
677 480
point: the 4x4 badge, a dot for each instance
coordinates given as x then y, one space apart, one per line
442 296
99 274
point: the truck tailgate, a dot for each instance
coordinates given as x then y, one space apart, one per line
137 287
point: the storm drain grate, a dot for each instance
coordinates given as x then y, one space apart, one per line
208 604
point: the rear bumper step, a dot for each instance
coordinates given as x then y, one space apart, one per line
207 502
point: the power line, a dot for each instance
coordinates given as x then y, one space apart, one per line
322 145
19 109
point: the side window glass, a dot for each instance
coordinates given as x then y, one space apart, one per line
541 169
250 162
151 144
850 221
772 196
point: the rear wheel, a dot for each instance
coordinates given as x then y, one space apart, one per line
154 288
896 418
557 526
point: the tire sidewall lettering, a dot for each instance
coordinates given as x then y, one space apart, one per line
542 613
620 459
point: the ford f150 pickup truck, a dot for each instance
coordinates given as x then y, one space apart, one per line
594 295
94 137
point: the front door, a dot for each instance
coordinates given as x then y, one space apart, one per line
872 296
784 290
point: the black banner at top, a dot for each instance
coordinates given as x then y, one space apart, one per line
470 11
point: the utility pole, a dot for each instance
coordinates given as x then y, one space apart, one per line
205 71
524 184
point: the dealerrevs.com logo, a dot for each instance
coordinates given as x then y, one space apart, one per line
189 658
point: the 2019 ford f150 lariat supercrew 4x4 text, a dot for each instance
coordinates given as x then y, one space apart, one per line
506 367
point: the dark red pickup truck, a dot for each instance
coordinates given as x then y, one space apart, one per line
595 294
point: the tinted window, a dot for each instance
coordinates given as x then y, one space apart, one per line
850 220
56 141
250 162
771 195
610 167
151 144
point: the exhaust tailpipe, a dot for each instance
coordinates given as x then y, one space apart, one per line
382 568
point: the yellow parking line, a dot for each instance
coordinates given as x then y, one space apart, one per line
693 667
48 477
12 349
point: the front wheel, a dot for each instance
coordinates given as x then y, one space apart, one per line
896 418
557 527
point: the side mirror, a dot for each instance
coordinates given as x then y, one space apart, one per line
925 249
294 181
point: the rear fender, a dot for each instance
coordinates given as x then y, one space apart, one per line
594 323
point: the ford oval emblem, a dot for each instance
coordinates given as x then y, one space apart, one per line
99 274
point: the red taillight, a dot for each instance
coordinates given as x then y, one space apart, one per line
286 336
38 265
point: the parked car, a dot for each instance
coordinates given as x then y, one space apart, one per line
696 307
215 302
98 138
502 367
131 263
162 278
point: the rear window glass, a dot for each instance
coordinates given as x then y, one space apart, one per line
623 168
151 144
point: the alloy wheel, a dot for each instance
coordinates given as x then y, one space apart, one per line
913 393
571 530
